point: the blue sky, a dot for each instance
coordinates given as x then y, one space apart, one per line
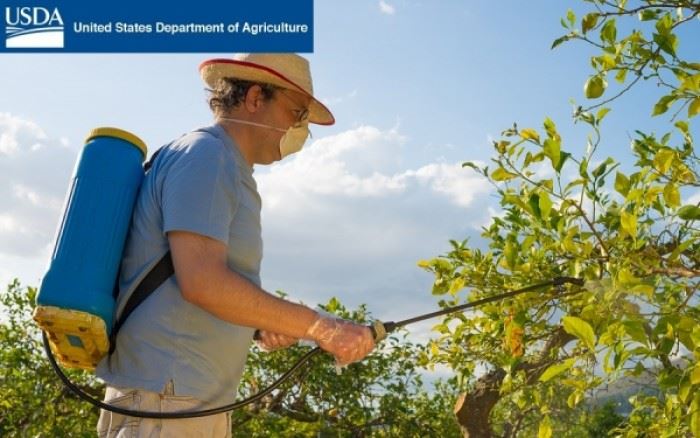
417 87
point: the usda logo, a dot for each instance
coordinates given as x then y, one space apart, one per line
33 27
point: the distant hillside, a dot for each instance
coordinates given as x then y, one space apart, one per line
621 390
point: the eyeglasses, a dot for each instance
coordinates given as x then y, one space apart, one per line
299 114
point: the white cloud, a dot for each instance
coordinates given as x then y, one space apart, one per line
345 217
386 8
365 162
16 133
34 173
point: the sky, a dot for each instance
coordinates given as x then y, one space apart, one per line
417 87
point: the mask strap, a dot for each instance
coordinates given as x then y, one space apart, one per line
245 122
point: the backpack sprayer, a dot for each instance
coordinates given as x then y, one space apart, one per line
76 301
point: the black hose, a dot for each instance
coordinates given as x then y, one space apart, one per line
171 415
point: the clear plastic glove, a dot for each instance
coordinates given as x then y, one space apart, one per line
347 341
269 341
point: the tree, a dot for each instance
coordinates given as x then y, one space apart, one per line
629 235
382 396
33 402
603 420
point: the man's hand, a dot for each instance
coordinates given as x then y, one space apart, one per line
270 341
347 341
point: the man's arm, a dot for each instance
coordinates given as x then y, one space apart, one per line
206 281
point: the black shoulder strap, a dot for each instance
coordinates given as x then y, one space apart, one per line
157 276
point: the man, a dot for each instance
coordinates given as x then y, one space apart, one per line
185 346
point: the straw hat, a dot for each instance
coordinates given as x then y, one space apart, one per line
286 70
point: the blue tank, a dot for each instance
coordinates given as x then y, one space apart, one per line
80 279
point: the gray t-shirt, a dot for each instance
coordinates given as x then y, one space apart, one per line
198 183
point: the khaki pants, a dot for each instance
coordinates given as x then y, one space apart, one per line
111 425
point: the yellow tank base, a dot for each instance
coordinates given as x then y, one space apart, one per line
78 339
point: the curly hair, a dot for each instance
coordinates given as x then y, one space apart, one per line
228 93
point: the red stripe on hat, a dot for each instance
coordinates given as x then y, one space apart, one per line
271 71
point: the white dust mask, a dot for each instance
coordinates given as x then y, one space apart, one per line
293 139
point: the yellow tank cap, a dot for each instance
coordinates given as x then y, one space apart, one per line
120 134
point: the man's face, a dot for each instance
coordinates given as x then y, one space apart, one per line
285 109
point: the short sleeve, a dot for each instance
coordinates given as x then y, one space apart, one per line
199 191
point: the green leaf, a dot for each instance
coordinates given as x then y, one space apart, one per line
501 174
626 277
602 167
529 158
501 146
545 428
594 87
583 168
574 398
695 375
607 61
589 21
601 114
622 183
552 149
621 75
628 222
530 134
563 157
691 83
662 105
682 126
545 205
470 164
556 369
671 195
667 42
665 24
694 107
581 329
560 40
510 252
635 330
684 390
550 127
663 160
695 416
609 32
571 17
648 14
534 203
689 212
643 289
456 285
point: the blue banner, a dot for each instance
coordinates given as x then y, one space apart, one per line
131 26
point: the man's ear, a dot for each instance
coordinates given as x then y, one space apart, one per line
254 98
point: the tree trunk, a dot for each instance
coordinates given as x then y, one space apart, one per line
473 409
